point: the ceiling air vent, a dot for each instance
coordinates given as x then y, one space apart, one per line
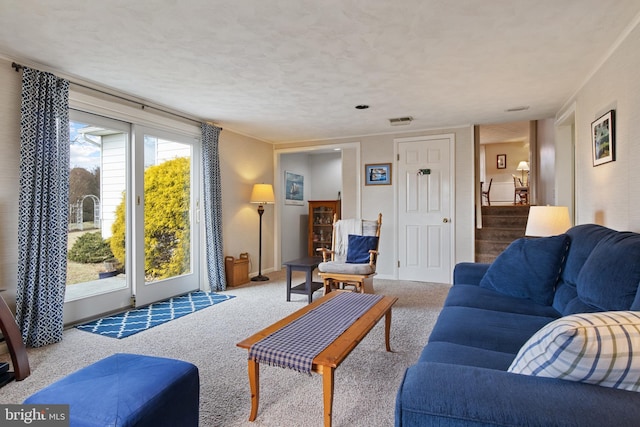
400 121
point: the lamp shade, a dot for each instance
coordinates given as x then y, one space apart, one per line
547 221
523 166
262 194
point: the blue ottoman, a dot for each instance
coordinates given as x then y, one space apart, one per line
128 390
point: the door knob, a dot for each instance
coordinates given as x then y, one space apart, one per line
445 220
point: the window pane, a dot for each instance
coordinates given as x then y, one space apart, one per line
167 203
97 183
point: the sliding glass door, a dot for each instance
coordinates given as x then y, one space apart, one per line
97 280
133 216
166 232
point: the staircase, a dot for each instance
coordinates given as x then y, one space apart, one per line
501 225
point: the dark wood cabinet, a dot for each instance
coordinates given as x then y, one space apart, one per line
321 223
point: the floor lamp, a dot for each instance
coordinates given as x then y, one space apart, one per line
262 194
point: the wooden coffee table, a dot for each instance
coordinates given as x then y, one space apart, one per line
332 356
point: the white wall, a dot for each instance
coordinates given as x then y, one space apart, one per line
294 217
326 176
322 181
545 178
606 194
380 199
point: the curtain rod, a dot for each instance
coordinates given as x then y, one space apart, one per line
19 67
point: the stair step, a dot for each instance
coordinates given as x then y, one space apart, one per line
506 210
487 259
501 225
504 221
491 247
500 234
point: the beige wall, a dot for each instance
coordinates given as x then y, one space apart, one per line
246 161
502 188
10 86
607 194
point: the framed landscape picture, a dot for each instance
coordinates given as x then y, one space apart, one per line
294 189
377 174
603 139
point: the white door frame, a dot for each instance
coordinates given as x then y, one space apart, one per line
452 196
278 184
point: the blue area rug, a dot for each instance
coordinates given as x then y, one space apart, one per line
140 319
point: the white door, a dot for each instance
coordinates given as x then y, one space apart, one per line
425 199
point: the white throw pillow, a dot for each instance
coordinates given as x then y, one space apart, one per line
596 348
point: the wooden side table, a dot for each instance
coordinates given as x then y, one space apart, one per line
308 287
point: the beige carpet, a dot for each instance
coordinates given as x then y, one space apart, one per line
365 384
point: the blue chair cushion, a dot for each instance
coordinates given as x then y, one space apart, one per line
359 247
528 268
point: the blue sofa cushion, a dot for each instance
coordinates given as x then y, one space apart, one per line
448 395
459 354
583 238
359 247
528 268
491 330
610 275
475 296
596 348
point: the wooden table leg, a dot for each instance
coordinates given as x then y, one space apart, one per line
387 328
254 385
327 391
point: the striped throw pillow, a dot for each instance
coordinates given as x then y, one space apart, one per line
596 348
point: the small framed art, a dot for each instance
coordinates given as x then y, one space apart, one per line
377 174
603 139
501 161
294 189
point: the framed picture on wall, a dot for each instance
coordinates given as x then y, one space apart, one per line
501 161
294 189
377 174
603 139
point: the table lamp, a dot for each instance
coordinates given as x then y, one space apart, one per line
545 221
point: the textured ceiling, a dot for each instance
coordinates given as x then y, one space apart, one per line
290 70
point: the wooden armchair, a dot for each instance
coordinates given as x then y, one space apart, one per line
353 255
520 191
487 193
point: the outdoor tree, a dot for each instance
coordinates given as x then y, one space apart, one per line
166 220
83 182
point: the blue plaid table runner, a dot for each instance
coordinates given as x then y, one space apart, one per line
297 344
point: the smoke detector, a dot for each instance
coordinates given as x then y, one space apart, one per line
400 121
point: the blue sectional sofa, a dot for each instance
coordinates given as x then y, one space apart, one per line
546 335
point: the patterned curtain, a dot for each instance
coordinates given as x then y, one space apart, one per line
43 207
213 207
